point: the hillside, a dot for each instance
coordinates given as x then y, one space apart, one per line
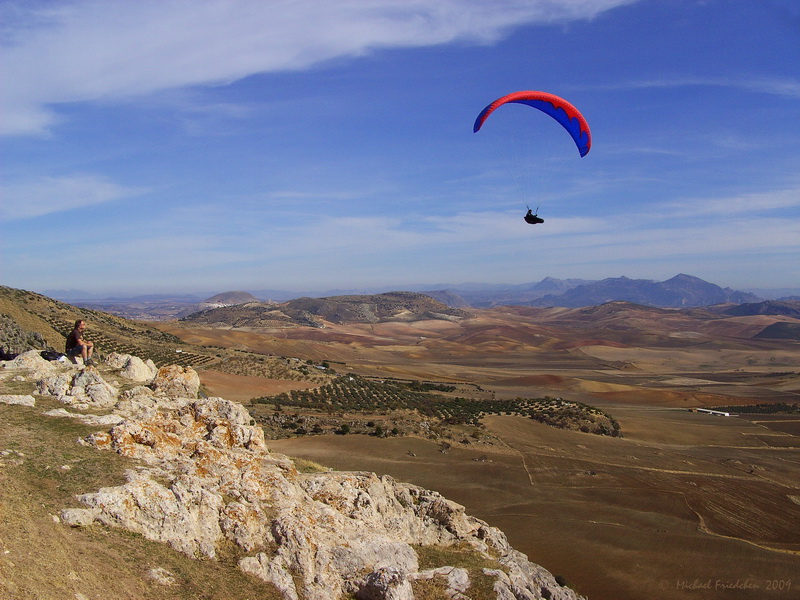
786 308
32 321
216 301
490 400
26 313
448 297
376 308
230 298
780 331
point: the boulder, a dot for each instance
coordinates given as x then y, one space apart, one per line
386 584
83 389
132 367
116 360
178 381
31 361
22 400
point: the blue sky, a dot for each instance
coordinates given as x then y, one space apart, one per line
183 146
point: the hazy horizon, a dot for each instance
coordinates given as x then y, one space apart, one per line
263 293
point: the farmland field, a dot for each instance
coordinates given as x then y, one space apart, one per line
684 505
626 519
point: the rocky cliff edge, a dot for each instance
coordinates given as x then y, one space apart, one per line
206 478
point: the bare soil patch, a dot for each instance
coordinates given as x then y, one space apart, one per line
786 424
243 388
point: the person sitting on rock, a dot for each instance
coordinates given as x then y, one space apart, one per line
77 346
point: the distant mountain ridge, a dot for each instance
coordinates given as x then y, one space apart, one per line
230 298
682 291
487 296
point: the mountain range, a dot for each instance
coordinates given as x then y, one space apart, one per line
681 291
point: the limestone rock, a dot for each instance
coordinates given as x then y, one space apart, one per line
31 360
79 517
25 400
386 584
84 389
132 367
174 380
112 419
161 576
271 569
184 516
116 360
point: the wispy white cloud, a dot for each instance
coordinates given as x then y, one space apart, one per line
772 86
57 194
88 50
757 203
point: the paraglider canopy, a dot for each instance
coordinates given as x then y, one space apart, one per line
562 111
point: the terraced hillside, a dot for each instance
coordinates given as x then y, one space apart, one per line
51 320
32 321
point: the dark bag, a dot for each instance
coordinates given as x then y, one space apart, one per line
7 356
50 354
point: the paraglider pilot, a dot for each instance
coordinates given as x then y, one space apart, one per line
533 218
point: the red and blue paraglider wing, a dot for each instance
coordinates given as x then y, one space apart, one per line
562 111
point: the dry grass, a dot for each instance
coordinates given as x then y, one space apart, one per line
42 469
464 557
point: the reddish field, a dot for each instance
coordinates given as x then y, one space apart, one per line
240 388
632 356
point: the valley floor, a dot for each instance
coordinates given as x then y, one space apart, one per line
686 505
685 499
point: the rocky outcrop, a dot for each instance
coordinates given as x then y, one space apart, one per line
19 399
176 381
29 361
132 367
83 389
207 478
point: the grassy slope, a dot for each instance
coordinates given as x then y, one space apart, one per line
42 469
